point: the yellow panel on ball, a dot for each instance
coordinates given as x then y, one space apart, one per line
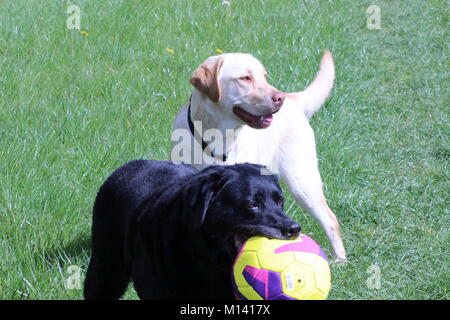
298 280
266 254
245 258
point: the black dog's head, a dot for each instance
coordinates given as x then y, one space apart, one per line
239 202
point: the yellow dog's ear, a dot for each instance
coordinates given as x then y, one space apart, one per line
205 77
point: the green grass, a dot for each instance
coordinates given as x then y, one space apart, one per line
74 107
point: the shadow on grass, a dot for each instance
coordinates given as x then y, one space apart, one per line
54 260
76 252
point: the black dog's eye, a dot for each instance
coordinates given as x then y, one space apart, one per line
280 202
252 205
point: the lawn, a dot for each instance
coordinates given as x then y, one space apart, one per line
74 106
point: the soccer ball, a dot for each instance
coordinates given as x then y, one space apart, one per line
272 269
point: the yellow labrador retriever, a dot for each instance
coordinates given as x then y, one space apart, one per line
234 115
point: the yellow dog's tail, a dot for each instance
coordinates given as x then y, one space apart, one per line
312 98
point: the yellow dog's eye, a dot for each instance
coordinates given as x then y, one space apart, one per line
245 78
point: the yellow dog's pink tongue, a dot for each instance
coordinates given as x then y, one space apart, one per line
253 121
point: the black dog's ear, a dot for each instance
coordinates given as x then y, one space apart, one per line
184 208
202 191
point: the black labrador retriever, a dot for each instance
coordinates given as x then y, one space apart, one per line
174 231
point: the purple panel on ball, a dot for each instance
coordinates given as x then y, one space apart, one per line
275 285
257 279
282 296
265 282
237 294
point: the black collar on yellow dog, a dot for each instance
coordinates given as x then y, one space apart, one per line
191 128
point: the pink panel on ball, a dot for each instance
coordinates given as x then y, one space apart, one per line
307 245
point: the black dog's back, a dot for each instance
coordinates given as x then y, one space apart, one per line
118 198
136 181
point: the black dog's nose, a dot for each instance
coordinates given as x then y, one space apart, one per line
292 231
